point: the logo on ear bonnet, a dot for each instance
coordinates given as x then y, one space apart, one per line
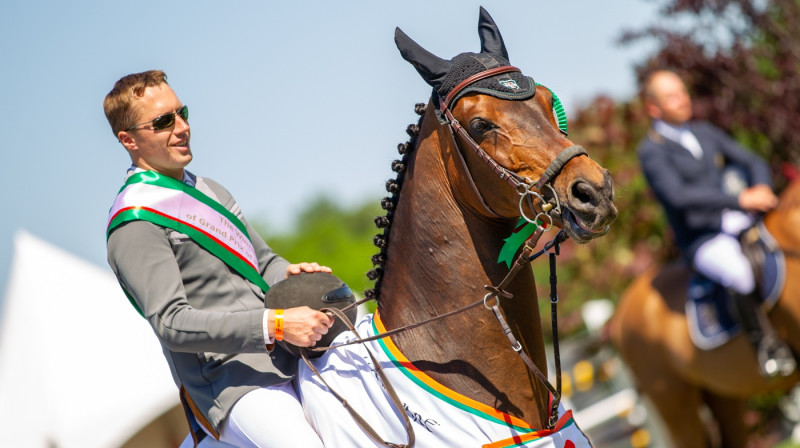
509 84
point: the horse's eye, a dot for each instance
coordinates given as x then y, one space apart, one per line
480 125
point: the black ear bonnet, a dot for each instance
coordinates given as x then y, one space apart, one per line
507 86
444 75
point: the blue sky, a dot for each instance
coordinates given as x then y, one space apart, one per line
288 100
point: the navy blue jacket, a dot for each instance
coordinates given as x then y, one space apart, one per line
690 190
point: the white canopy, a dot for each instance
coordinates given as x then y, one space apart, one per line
78 366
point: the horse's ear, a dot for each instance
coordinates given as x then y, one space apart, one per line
491 40
431 67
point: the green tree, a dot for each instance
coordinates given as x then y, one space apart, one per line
332 235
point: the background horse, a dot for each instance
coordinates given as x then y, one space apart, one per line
449 214
651 333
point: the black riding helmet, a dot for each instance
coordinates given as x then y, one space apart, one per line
316 290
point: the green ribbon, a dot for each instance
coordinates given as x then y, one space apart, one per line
558 109
229 258
521 233
152 178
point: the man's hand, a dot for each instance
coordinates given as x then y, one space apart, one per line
302 326
758 198
294 269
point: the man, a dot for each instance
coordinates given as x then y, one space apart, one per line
197 271
683 162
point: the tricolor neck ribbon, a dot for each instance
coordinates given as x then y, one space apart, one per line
164 201
523 230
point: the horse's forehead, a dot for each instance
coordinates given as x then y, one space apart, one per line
523 113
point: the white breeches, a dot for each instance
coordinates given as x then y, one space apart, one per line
721 258
269 417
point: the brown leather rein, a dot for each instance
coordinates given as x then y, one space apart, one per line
525 188
495 292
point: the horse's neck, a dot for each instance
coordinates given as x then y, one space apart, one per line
784 222
441 254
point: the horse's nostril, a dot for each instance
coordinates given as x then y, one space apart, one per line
584 193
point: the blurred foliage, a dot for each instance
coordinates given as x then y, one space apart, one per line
741 62
331 235
604 267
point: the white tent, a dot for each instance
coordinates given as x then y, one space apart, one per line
78 366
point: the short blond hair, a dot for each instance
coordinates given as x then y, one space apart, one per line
119 104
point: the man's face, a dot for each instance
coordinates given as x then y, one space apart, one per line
670 101
164 151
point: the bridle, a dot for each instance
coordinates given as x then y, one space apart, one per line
523 186
526 189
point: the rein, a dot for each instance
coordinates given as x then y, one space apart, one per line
526 256
791 252
525 188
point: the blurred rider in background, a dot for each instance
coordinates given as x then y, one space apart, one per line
683 161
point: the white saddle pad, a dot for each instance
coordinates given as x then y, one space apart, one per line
440 417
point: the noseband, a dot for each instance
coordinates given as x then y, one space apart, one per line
523 186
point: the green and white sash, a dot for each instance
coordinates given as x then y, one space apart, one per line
164 201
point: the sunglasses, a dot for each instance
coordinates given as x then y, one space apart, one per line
165 121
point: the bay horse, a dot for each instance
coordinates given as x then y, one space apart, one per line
487 127
650 330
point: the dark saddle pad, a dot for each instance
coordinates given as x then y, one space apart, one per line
710 310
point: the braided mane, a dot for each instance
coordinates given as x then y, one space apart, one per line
389 204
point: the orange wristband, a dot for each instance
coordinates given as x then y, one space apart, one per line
278 325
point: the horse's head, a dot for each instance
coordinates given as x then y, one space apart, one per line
515 137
